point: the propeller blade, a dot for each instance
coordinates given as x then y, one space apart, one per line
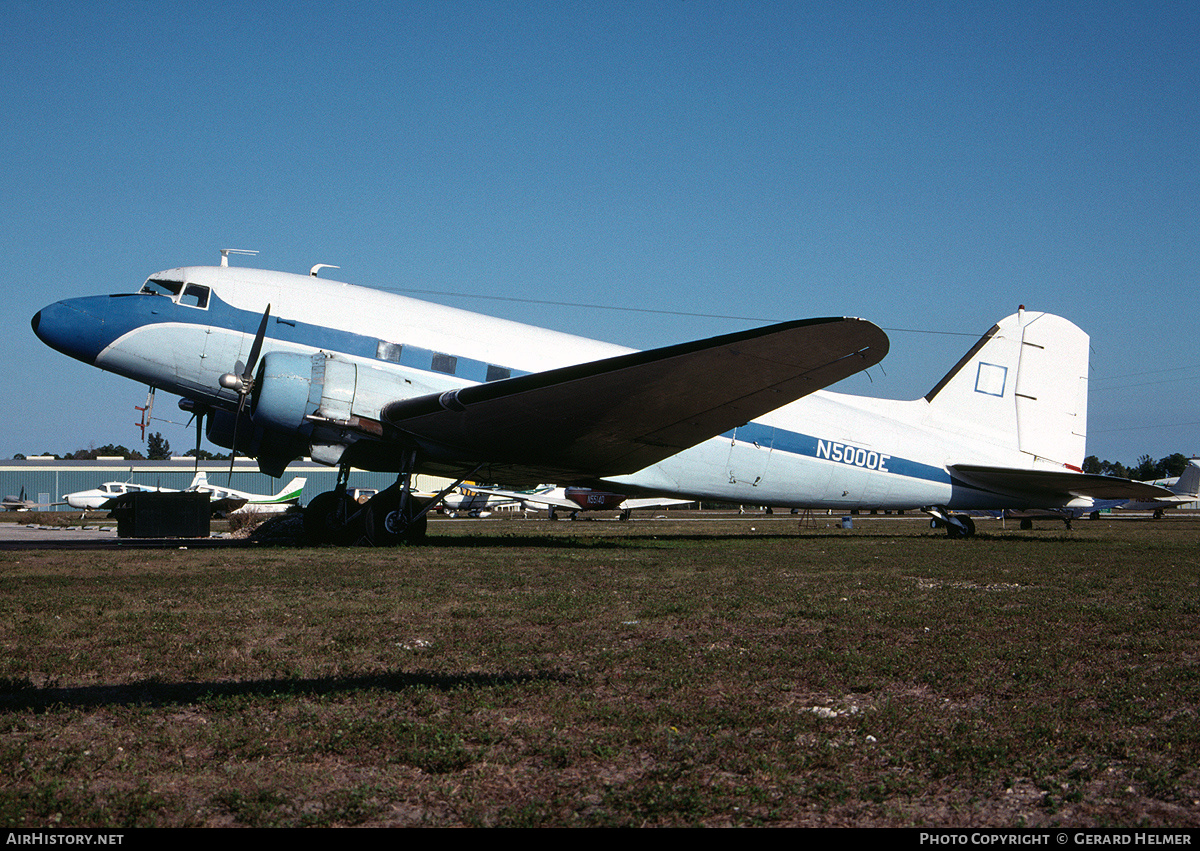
199 430
246 383
248 374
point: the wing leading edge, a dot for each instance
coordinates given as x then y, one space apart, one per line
622 414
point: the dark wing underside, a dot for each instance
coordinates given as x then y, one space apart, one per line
1052 485
622 414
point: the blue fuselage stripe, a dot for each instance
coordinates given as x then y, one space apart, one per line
133 311
806 445
142 309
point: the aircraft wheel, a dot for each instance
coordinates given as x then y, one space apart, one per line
325 518
967 530
1026 524
386 527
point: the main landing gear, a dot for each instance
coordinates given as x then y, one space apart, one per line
392 517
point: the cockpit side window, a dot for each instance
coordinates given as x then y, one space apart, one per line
161 287
195 296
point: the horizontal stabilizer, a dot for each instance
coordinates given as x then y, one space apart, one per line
622 414
1052 485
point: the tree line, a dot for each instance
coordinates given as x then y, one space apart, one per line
158 448
1145 470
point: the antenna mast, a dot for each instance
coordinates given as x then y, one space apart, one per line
225 252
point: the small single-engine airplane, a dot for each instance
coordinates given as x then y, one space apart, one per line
355 377
472 501
576 500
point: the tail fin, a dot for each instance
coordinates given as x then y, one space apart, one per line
1023 386
291 491
201 480
1189 480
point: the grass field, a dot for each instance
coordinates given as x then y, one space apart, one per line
740 671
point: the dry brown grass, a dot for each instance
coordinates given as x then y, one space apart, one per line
735 672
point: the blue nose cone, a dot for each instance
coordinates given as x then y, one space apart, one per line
75 327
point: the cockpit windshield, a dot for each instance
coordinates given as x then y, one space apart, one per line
156 286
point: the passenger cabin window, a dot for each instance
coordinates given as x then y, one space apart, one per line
498 373
160 287
195 296
388 351
444 363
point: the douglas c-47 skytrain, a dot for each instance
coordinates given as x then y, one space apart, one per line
284 365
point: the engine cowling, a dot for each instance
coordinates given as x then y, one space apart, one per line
283 390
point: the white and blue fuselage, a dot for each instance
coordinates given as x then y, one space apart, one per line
188 327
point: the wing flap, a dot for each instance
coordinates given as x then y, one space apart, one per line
625 413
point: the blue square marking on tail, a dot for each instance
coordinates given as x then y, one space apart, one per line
991 379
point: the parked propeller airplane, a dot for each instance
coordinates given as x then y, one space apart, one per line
472 501
576 500
222 500
13 502
1183 490
226 501
356 377
105 496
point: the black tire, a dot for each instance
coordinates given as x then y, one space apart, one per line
967 530
325 519
384 527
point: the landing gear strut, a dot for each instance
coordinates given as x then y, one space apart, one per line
394 517
391 517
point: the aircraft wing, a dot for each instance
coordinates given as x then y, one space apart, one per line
1053 485
225 504
625 413
651 502
533 498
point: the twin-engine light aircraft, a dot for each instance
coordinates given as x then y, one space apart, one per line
223 501
285 365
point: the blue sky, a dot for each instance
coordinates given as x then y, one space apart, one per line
927 166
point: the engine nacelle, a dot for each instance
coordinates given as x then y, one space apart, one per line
326 400
282 390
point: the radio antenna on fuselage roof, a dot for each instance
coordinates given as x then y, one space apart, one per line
225 252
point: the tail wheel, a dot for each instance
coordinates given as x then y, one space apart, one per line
967 529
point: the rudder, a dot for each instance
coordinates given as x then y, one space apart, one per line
1023 386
